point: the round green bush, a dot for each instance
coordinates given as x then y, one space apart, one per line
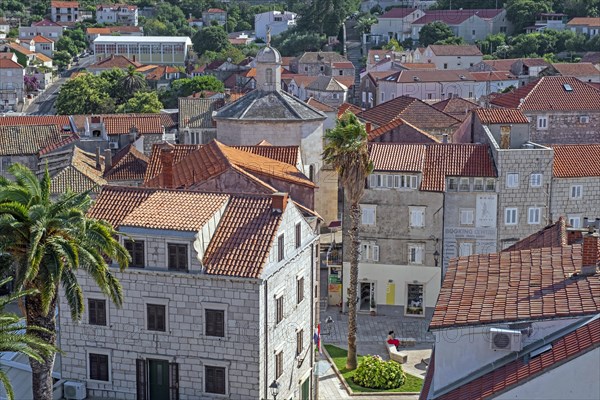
375 373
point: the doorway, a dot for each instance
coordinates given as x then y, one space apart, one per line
366 296
158 379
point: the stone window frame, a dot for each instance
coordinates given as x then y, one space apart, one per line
419 253
516 216
534 182
416 209
216 364
156 301
176 242
106 313
99 351
579 194
538 122
143 240
465 211
215 306
371 208
512 180
531 221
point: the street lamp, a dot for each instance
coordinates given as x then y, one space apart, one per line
436 257
274 386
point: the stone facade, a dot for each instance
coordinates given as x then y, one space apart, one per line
563 127
575 208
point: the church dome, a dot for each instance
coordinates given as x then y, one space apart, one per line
268 55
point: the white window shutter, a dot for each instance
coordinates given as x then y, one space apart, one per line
375 252
373 181
413 182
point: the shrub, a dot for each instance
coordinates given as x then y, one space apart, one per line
375 373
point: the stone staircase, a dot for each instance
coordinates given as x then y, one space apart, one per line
323 305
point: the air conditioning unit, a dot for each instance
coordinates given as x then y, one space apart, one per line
74 390
113 145
506 339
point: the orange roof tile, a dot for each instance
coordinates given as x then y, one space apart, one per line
42 57
127 165
27 139
61 121
41 39
493 76
114 203
174 210
493 116
64 4
318 105
98 31
7 63
79 175
553 235
589 21
348 107
540 281
456 106
419 65
422 135
121 124
551 93
180 151
115 61
576 160
576 69
397 157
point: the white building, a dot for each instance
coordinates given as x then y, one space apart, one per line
276 20
210 310
64 11
11 84
171 50
452 56
122 14
45 28
520 338
4 28
395 24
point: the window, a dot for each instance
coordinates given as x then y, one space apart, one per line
478 184
215 379
467 216
405 181
278 364
97 312
575 221
510 216
415 253
534 214
368 216
490 185
503 29
382 97
445 66
136 251
98 367
156 317
215 322
269 75
279 309
464 185
178 256
298 235
542 122
512 180
341 72
368 252
414 299
375 181
576 192
465 249
416 216
299 341
280 247
535 180
452 184
299 290
584 119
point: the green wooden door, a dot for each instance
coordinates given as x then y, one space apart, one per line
306 389
158 371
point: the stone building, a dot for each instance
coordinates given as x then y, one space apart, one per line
561 110
196 124
327 63
210 310
64 11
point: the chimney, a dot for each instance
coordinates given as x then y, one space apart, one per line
368 127
107 159
444 138
590 254
279 201
166 160
98 166
133 58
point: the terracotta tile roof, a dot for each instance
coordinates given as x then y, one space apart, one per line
212 159
493 116
576 69
215 10
41 39
244 238
516 286
553 235
589 21
456 106
42 57
115 61
430 75
180 151
320 57
65 141
342 64
327 84
98 31
121 124
576 160
566 348
285 154
453 50
7 63
397 157
116 7
160 71
398 12
8 55
456 17
79 175
64 4
349 107
411 110
591 57
418 65
398 122
114 203
318 105
45 22
170 120
61 121
493 76
27 139
550 94
304 80
176 210
198 112
127 165
285 61
347 81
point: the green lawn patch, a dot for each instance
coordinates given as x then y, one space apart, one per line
413 383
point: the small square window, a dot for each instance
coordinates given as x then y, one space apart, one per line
415 253
584 119
510 216
490 185
574 221
97 312
464 185
98 367
512 180
279 309
178 256
534 215
576 192
280 247
467 216
542 122
478 184
452 184
136 251
215 379
215 322
156 317
535 180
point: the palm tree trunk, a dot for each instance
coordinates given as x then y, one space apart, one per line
41 372
351 361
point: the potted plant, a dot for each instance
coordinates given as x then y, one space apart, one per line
373 305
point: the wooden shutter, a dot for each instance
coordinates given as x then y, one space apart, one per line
141 382
173 381
375 251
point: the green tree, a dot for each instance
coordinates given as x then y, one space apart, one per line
67 44
524 46
61 58
363 25
154 27
49 241
141 102
522 13
326 16
294 42
211 38
455 40
113 78
393 45
434 32
188 86
492 42
346 150
85 94
133 81
12 338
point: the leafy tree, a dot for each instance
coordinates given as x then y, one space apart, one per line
455 40
154 27
243 26
492 42
576 43
133 81
522 13
363 25
141 102
525 46
188 86
67 44
346 150
293 42
85 94
466 4
12 338
61 58
393 45
211 38
49 242
434 32
326 16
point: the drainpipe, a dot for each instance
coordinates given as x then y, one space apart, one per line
266 326
315 382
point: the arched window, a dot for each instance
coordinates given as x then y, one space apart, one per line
269 75
96 133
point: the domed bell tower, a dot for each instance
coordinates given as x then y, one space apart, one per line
268 67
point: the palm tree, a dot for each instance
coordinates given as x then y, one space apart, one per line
48 241
133 81
346 149
14 339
